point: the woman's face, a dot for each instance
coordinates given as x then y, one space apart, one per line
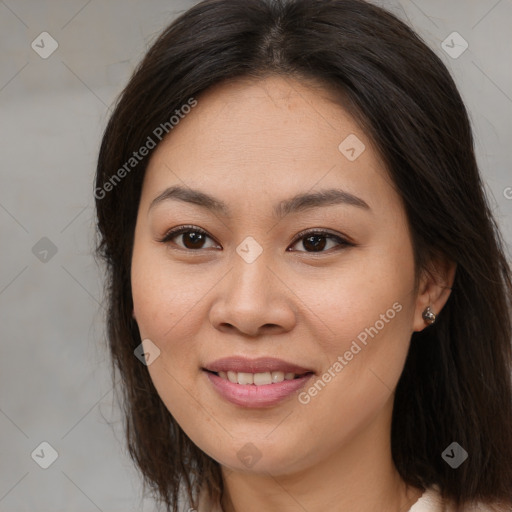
258 169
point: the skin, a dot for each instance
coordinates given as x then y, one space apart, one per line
252 144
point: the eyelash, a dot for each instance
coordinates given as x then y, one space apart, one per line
174 232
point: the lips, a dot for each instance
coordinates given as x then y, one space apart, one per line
256 383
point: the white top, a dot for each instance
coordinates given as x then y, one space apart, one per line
430 501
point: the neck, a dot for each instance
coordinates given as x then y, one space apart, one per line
360 475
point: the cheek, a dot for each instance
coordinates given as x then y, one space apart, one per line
364 361
164 303
163 296
367 313
167 305
372 291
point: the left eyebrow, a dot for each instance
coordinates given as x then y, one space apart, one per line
328 197
297 203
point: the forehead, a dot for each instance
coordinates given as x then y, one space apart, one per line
273 115
248 138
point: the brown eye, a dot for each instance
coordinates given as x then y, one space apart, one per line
193 240
189 237
319 241
314 242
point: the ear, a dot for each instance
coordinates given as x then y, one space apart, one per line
434 289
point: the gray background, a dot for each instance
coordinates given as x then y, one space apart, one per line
55 383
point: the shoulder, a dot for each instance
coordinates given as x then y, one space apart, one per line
431 501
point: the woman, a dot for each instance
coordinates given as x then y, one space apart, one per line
309 303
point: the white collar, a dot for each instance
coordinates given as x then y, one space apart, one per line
429 501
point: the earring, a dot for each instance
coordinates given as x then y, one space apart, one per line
428 315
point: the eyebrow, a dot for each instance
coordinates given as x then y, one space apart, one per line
297 203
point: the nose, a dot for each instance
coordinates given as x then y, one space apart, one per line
253 300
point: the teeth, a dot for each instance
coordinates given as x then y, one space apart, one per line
277 377
245 378
258 379
262 378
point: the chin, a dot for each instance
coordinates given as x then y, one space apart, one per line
262 457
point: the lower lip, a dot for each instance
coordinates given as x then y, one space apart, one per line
249 395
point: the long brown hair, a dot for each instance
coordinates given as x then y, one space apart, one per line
456 383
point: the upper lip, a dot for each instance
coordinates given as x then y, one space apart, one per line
259 365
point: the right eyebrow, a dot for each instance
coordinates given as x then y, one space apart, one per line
189 195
